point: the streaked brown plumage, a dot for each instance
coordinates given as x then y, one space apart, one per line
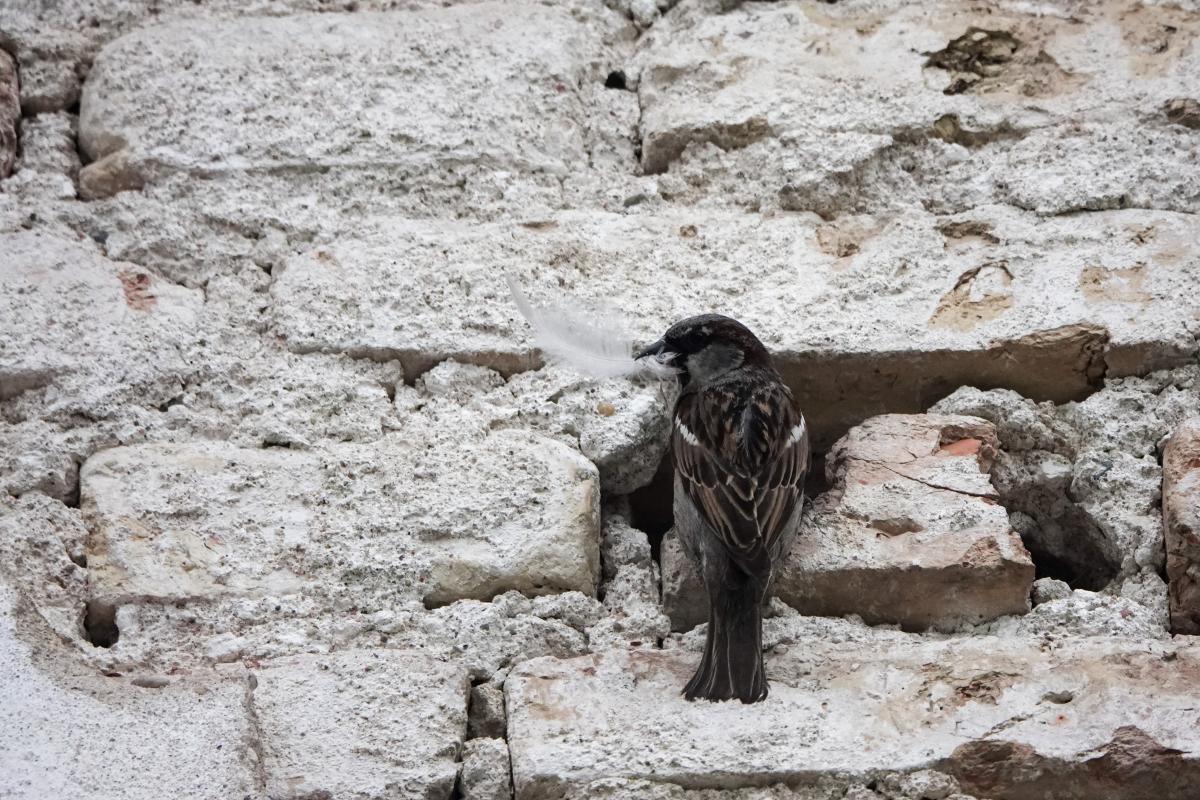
740 449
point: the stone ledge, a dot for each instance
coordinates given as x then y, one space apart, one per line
1010 719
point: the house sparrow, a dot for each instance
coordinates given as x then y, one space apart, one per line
740 449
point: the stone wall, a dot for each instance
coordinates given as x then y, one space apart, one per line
292 507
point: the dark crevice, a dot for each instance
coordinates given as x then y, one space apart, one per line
1062 538
616 80
100 623
84 158
174 401
650 507
975 55
72 495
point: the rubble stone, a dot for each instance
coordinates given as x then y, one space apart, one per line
621 544
869 107
634 616
1083 479
490 98
1048 589
1181 517
487 719
252 262
83 335
485 770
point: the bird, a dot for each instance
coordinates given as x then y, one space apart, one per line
740 450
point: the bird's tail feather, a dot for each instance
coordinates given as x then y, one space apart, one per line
732 666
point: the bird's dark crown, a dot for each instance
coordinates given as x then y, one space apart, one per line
706 348
696 333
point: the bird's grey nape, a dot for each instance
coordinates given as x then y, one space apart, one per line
713 361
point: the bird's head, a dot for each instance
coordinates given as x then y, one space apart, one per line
705 347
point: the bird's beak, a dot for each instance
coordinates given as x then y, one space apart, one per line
660 352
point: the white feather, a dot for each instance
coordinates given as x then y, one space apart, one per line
582 342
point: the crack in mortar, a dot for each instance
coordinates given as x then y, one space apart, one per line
255 735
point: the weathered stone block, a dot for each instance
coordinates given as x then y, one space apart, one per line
910 533
486 772
1010 719
367 725
423 97
352 526
1044 309
1181 521
70 733
850 109
85 335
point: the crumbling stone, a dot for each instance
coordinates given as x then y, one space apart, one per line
486 720
279 521
10 113
485 770
1181 522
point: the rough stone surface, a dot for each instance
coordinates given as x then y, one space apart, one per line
10 113
1082 480
920 785
43 550
1084 613
184 733
350 526
83 335
1047 589
270 237
635 617
1090 719
487 719
621 544
619 425
500 92
49 163
1181 515
360 725
910 533
487 638
1044 306
880 105
485 770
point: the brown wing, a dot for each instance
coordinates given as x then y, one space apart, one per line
742 462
